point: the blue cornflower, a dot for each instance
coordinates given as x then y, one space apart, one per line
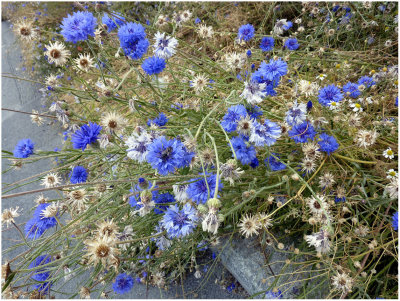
396 102
248 53
309 105
78 175
288 25
197 190
36 226
245 153
328 94
163 198
274 164
32 229
351 89
254 111
112 22
133 40
166 155
297 114
260 76
87 134
267 43
197 21
328 143
179 223
231 287
24 148
302 132
246 32
42 221
123 284
78 26
292 44
274 69
153 65
229 122
340 199
366 81
43 273
265 134
143 184
160 120
254 163
395 221
273 295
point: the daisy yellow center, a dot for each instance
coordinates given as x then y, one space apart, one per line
357 105
333 104
389 152
392 173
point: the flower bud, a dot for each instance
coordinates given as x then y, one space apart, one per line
146 196
214 202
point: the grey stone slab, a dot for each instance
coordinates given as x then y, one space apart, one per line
260 270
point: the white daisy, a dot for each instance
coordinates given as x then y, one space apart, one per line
249 225
113 122
186 15
51 180
205 31
8 215
388 153
391 174
321 76
334 105
84 62
342 282
308 88
356 107
235 60
199 82
25 30
366 138
57 54
51 81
